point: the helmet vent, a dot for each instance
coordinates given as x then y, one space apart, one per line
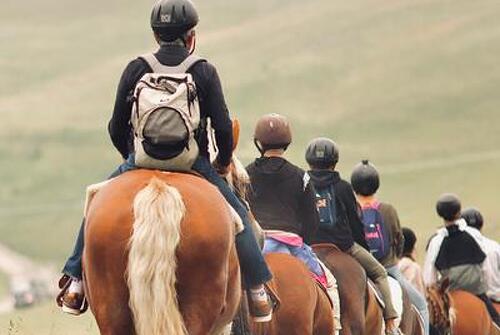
158 14
174 14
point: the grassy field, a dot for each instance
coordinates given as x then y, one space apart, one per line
46 320
411 85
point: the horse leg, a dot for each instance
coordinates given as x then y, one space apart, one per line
211 298
106 288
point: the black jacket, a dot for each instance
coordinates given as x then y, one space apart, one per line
280 199
212 103
348 231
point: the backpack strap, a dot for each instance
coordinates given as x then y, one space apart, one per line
183 67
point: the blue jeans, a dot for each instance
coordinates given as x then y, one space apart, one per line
415 296
304 253
253 266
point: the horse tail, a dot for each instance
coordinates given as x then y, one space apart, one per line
151 273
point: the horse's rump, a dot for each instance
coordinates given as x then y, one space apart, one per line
207 275
469 314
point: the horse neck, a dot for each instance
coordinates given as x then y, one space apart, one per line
442 310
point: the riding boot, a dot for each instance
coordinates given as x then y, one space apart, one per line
333 293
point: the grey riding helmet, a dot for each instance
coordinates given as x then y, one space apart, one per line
448 206
170 19
365 179
322 153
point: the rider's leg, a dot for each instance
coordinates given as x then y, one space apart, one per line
415 296
378 274
271 245
253 266
491 309
73 266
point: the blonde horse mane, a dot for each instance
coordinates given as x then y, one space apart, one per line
238 178
151 273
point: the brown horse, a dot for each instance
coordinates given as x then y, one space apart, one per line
355 297
458 312
160 257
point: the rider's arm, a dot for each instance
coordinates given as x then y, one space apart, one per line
349 200
219 115
429 272
309 214
119 127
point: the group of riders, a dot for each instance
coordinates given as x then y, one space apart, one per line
296 208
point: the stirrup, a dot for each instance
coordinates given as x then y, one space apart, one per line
64 284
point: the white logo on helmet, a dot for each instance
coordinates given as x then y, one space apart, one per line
165 18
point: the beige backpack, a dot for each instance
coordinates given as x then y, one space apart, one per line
165 116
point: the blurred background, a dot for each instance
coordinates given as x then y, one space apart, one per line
411 85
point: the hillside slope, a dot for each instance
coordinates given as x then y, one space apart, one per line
411 85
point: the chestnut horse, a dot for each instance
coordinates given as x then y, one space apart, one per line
160 256
458 312
304 306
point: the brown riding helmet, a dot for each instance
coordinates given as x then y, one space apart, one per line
272 132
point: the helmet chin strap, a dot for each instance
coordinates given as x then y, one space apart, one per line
193 46
259 147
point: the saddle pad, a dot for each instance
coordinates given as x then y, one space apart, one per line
376 293
397 297
91 191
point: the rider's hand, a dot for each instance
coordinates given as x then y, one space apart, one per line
222 170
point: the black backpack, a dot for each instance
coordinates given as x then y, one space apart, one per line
330 209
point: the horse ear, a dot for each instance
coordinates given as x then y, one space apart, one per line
445 284
236 133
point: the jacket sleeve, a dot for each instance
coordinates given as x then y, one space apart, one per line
353 216
308 213
218 112
119 127
429 272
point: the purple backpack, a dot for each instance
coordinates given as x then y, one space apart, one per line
376 232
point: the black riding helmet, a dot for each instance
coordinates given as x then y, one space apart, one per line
322 153
448 206
365 179
170 19
473 217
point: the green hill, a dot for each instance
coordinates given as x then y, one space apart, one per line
412 85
